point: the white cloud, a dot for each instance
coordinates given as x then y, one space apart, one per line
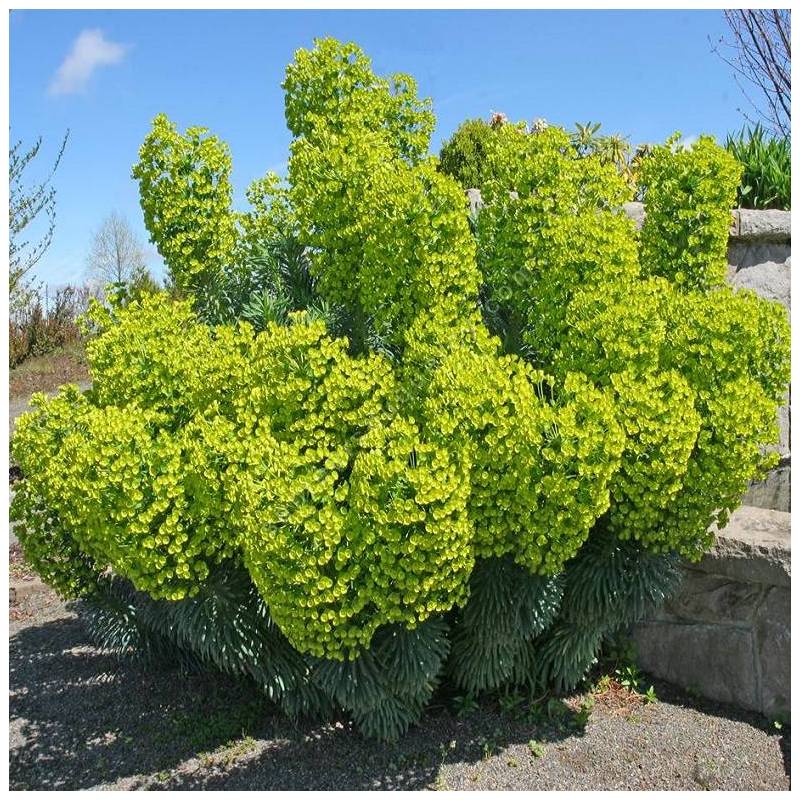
89 51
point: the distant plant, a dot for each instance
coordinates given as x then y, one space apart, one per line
767 161
611 149
116 254
650 695
629 676
463 155
45 324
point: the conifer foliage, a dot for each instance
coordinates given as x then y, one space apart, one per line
374 450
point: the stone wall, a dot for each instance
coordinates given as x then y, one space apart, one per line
759 258
727 633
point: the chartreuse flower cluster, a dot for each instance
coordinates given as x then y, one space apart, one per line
348 519
184 183
194 367
688 212
550 398
552 222
656 330
331 85
302 466
388 232
121 492
340 547
37 447
542 457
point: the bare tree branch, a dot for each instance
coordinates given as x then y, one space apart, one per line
116 255
760 52
25 204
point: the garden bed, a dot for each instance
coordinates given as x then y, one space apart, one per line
46 373
212 733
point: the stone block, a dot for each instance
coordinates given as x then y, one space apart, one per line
715 599
785 428
743 254
713 660
754 547
774 492
771 225
768 279
773 645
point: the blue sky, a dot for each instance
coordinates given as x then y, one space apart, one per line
641 73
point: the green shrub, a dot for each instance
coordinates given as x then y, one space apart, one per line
540 466
464 155
663 346
434 455
767 177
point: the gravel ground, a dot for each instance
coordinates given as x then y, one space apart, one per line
79 719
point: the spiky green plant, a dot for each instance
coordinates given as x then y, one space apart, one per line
767 161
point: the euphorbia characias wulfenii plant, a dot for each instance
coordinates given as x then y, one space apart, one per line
422 453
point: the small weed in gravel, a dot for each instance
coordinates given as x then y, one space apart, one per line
536 748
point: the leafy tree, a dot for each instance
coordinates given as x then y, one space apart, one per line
463 155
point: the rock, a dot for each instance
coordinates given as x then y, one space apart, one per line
785 429
727 634
743 254
768 279
762 225
773 645
712 660
715 599
754 547
774 492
